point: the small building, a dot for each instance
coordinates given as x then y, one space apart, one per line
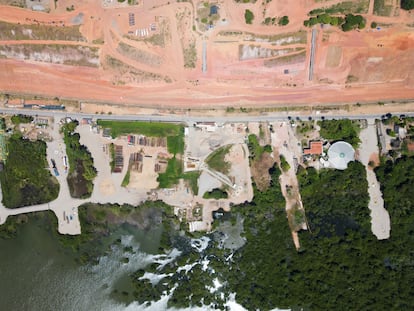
315 148
207 126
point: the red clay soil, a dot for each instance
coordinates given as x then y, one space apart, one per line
379 62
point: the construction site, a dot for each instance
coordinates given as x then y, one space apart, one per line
204 54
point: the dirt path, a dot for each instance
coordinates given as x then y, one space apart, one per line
285 143
380 219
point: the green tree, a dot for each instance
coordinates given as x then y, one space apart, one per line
407 4
284 21
248 16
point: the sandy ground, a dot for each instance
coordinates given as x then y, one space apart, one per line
108 185
380 219
378 72
285 143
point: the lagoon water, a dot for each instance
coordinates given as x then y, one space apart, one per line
37 273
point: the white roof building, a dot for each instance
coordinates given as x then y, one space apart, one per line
340 154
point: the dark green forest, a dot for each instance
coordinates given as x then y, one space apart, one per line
81 169
26 179
341 265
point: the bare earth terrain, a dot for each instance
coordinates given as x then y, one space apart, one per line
165 53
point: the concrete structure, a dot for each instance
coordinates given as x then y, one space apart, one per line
340 154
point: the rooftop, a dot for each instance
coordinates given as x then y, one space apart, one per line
316 147
340 154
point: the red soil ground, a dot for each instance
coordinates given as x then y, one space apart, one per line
381 72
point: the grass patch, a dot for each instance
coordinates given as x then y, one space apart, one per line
26 179
175 144
216 160
216 194
192 180
346 130
112 153
150 129
284 165
172 175
125 181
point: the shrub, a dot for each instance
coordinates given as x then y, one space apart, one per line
248 16
284 20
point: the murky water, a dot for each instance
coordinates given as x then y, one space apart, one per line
36 273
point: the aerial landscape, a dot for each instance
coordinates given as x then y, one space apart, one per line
206 155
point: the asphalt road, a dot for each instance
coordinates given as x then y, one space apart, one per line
270 117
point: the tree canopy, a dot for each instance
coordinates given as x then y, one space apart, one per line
407 4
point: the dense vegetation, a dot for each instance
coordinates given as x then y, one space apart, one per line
407 4
216 194
348 23
20 118
81 169
340 263
346 130
353 22
26 179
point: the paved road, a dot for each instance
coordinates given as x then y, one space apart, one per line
269 117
